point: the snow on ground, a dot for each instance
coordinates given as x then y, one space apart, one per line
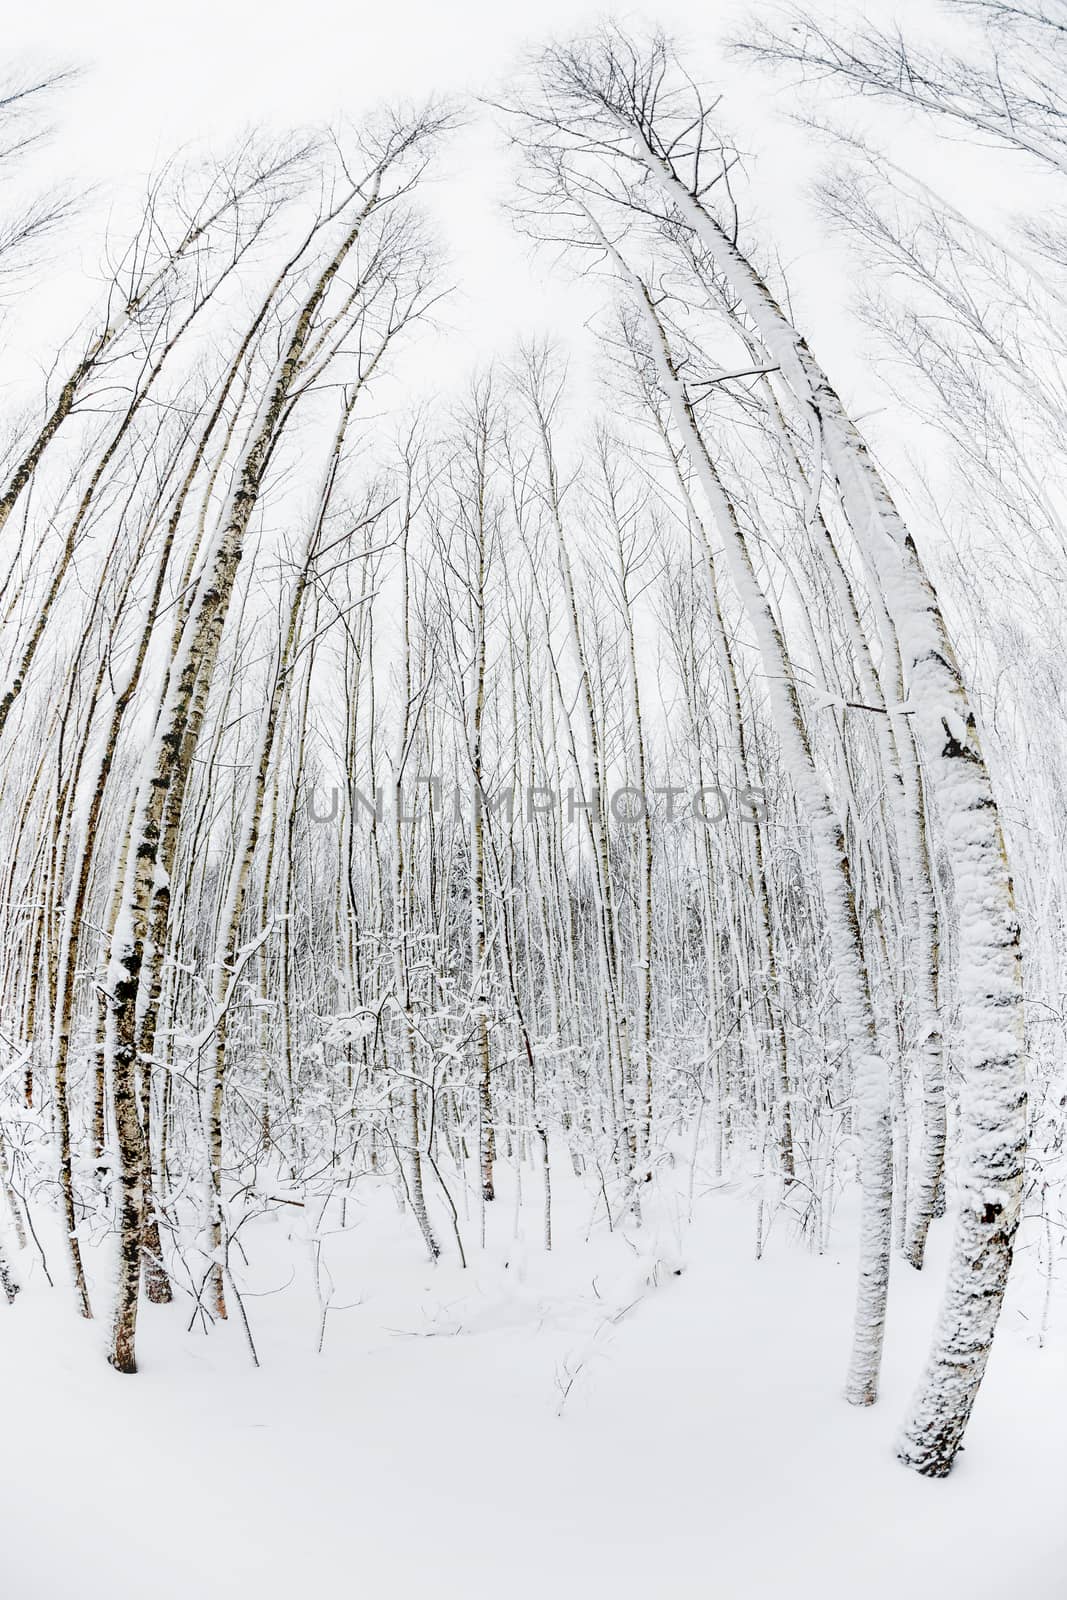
648 1413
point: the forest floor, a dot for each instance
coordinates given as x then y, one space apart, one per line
646 1412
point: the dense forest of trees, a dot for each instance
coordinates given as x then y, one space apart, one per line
396 798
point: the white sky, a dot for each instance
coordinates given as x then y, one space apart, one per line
159 77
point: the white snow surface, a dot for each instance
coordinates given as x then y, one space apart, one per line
435 1448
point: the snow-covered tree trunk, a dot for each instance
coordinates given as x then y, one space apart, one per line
853 989
989 1043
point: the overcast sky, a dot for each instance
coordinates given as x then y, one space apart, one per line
155 78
